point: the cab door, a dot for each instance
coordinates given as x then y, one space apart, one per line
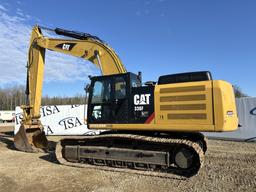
100 101
108 102
120 100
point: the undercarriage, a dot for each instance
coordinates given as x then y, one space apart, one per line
157 154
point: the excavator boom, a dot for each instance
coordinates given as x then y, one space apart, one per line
30 136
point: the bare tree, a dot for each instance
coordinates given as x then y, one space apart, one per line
238 92
11 97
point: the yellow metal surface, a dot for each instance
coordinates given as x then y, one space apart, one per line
206 106
85 49
184 104
224 106
35 69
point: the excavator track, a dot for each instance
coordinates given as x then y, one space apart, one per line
133 153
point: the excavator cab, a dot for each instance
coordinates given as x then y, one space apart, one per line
108 100
112 99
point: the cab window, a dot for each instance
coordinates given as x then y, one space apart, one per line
120 88
101 91
135 81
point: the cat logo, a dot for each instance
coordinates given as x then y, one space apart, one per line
142 99
66 46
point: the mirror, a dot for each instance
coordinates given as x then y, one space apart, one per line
87 88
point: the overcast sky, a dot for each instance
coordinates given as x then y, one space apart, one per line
156 37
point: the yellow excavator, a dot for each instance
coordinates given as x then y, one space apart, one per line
152 127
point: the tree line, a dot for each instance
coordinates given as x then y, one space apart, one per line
11 97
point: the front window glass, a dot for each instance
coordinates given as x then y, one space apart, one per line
101 91
135 81
120 88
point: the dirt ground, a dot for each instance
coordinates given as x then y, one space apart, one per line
229 166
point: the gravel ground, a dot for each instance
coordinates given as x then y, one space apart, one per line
229 166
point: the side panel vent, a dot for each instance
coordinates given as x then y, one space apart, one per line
183 107
182 89
184 103
201 97
187 116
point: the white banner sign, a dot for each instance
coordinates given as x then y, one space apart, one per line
61 120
